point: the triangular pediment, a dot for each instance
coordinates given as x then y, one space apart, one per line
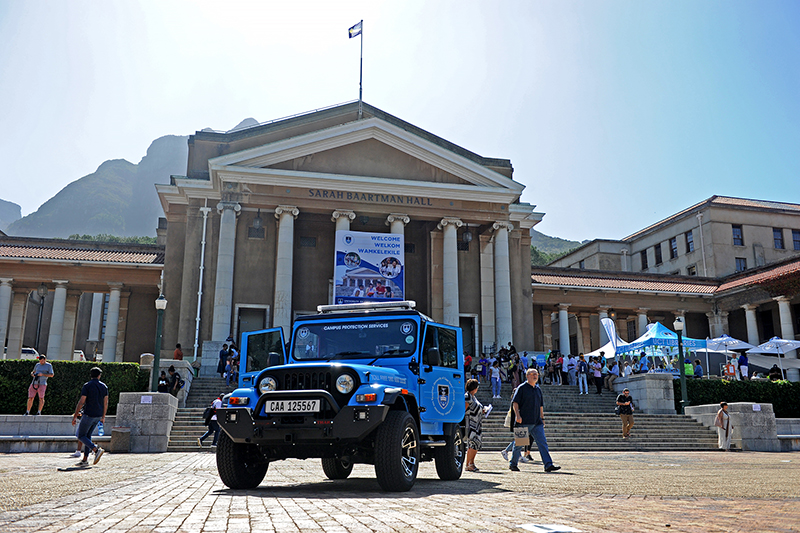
366 149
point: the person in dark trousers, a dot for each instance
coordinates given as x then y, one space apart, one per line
174 381
213 425
528 406
223 360
94 402
625 403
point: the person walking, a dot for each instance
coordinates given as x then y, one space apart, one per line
474 423
572 367
94 402
528 406
625 403
213 424
41 371
583 374
223 360
174 381
744 367
496 383
598 376
724 428
178 353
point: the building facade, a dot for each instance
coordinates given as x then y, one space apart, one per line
251 227
714 238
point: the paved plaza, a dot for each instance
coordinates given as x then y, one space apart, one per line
617 492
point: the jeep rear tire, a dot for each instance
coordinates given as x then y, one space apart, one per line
397 452
450 458
240 466
336 468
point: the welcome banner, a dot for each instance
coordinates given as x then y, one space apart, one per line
369 267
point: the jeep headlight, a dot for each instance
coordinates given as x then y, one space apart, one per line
268 384
345 383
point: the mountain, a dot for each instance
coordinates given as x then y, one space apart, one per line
119 198
552 245
9 212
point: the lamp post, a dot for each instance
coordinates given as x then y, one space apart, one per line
678 326
161 304
41 290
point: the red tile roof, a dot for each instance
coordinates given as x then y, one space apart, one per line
763 276
146 257
618 280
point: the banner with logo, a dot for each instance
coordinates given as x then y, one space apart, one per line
369 267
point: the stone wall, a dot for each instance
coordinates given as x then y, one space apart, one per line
652 393
754 425
150 416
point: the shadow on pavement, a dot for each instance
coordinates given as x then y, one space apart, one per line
366 487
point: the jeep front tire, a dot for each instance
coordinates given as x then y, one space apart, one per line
240 466
397 452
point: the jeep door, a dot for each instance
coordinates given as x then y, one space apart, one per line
260 350
442 393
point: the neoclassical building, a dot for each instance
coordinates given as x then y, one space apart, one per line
250 227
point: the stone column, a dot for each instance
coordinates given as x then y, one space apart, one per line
584 334
282 317
342 217
487 288
502 284
397 223
450 309
641 313
547 331
602 312
787 332
223 287
112 322
5 308
16 324
752 325
717 323
563 329
70 320
57 320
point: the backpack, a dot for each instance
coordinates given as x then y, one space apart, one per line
207 414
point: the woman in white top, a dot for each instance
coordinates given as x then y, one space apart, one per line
496 383
724 428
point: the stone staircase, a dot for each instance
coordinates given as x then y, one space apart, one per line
588 423
188 424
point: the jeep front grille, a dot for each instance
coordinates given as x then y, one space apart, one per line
307 381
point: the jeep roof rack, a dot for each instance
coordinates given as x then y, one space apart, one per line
403 305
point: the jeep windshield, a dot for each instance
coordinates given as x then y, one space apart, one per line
359 339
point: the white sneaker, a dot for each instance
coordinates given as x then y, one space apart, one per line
504 453
525 459
98 453
76 454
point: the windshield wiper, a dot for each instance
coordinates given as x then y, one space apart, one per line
345 354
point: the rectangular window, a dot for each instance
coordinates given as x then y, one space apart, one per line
462 246
308 242
643 255
673 248
255 233
409 248
738 236
582 264
741 264
657 250
691 270
631 329
689 241
777 238
796 238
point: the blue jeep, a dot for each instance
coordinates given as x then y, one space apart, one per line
374 383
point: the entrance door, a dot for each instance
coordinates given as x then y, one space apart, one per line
467 324
250 319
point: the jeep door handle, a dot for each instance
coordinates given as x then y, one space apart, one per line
457 376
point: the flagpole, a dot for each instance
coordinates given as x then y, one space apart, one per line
361 72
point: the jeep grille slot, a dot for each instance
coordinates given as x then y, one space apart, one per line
307 381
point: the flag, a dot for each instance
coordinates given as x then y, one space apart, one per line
355 31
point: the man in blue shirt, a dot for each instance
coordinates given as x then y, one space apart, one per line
528 405
94 401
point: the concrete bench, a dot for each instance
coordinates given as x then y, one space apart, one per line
44 433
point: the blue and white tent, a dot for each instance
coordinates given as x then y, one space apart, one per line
658 335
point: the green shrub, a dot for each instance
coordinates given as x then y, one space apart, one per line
783 395
63 390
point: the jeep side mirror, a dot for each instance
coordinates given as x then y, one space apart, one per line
274 359
432 358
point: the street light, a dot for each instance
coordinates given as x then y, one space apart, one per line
161 304
678 326
41 290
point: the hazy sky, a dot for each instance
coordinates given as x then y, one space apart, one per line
615 114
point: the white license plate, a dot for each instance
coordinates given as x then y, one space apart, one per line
292 406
